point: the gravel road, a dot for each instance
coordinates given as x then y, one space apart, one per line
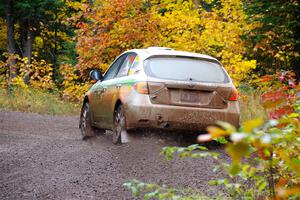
43 157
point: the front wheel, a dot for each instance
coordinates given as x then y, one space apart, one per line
119 126
86 128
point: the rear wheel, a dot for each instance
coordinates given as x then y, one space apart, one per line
119 125
86 128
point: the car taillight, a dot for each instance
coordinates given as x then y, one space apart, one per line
141 87
234 95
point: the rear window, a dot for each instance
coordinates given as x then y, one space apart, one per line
183 68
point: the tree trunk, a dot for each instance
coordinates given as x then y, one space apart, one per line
23 35
11 48
27 51
55 66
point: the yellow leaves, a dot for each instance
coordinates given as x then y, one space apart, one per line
216 132
248 126
236 65
221 37
18 81
73 90
75 4
238 151
293 115
213 133
216 33
39 73
119 25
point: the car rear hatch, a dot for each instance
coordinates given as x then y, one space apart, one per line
184 81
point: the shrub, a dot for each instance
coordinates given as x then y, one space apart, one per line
265 159
36 100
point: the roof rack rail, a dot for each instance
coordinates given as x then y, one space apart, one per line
159 48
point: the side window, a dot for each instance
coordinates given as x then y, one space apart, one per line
111 72
126 65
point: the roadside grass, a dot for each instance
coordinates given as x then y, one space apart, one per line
37 101
250 106
44 102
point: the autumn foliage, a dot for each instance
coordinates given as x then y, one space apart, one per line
81 35
51 46
264 154
115 26
274 143
109 28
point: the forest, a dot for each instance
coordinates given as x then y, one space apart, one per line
53 44
48 47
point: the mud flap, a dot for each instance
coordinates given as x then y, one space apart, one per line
125 137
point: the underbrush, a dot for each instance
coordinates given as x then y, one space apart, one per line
36 100
45 102
264 151
250 105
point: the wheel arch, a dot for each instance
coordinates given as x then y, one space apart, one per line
117 104
85 100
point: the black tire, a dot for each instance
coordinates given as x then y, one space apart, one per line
119 125
86 128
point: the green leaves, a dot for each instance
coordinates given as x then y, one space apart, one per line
153 191
274 34
193 151
221 140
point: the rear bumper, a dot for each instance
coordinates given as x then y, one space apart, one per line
141 113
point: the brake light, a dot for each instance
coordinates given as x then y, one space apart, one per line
141 87
234 95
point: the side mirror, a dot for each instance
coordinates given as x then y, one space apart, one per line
95 75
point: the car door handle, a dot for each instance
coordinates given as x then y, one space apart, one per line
118 85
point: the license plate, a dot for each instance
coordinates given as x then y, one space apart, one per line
191 97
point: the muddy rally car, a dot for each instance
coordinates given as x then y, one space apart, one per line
159 88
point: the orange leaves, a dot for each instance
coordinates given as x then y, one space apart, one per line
281 93
113 27
80 25
273 95
283 191
275 114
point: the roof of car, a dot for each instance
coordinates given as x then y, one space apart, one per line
154 51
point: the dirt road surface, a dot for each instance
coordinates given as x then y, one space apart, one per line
43 157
